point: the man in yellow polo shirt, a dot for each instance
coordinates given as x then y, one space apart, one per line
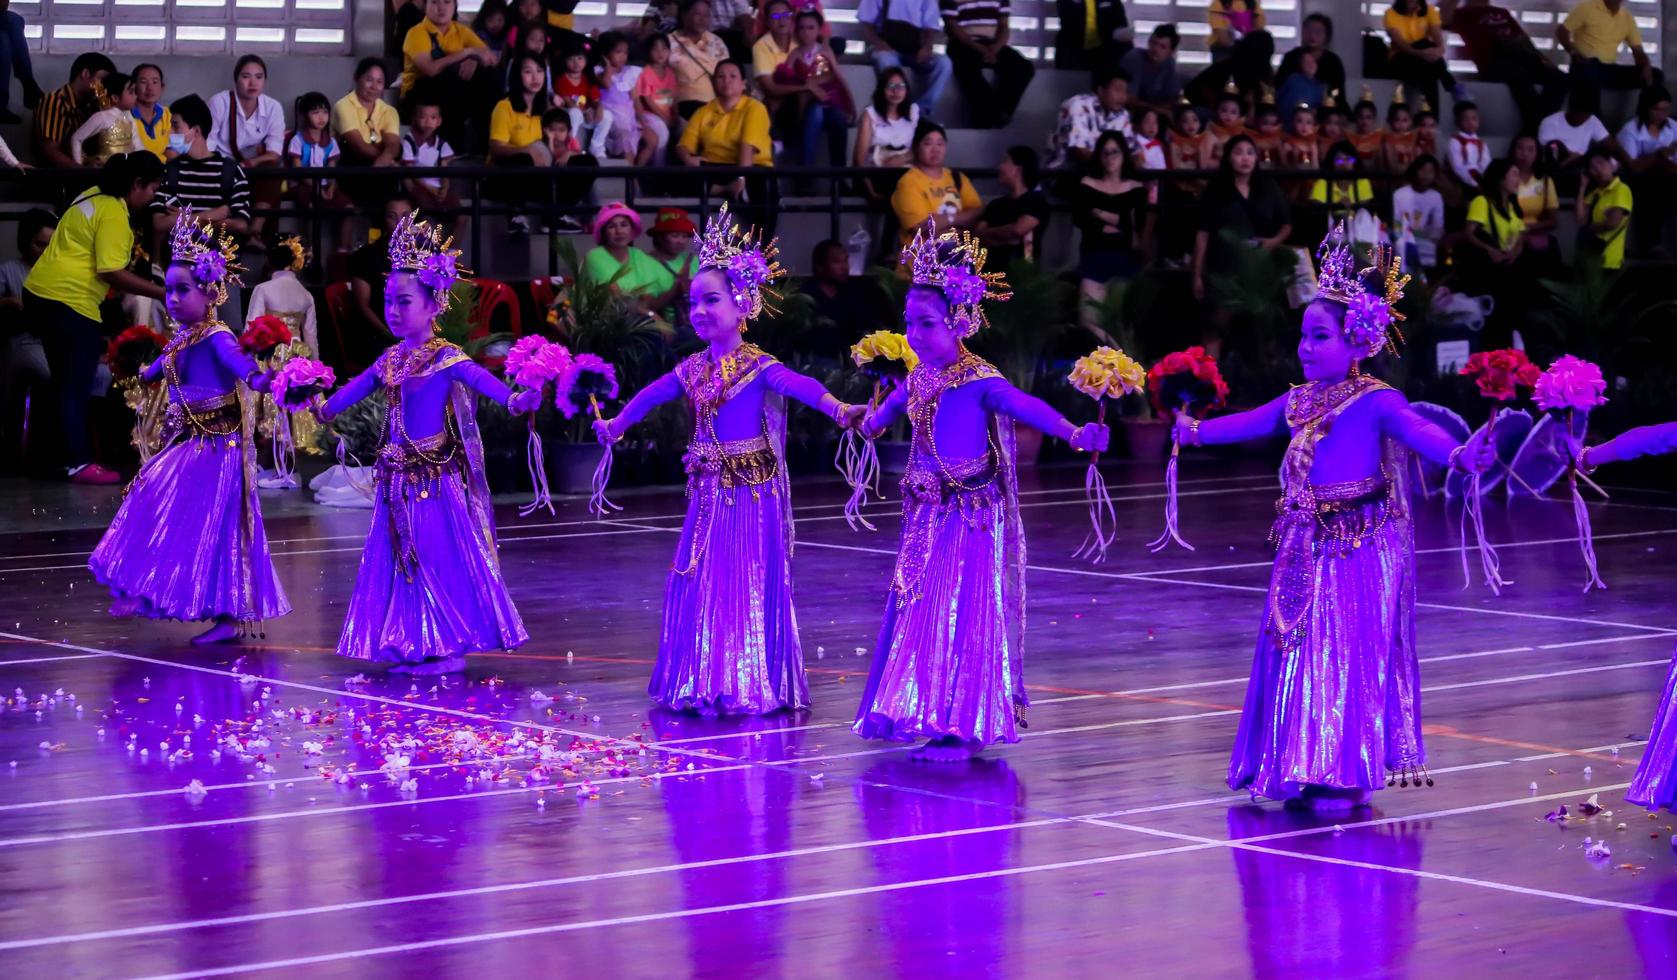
445 61
1592 34
1603 213
730 131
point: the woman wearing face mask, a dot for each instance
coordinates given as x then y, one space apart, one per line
430 588
1333 709
730 635
188 541
948 665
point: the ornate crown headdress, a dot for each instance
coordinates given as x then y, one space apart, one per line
294 249
1371 318
214 257
750 264
953 263
428 252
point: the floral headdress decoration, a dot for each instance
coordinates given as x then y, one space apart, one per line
428 252
214 257
297 253
953 263
1371 318
750 264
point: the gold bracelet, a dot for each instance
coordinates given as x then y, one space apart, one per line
1582 462
1455 458
1194 431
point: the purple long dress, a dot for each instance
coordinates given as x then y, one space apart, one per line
949 661
430 587
730 635
1655 783
1334 698
188 541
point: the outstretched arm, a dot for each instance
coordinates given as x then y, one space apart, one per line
1262 422
657 393
782 380
1003 399
1401 422
474 376
1647 440
235 359
351 393
887 412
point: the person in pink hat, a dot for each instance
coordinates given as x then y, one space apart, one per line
617 261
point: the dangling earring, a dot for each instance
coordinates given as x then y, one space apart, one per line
1356 368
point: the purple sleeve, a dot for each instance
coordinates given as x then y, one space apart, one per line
1399 421
782 380
351 393
232 356
472 375
657 393
1259 423
889 411
1003 399
152 372
1648 440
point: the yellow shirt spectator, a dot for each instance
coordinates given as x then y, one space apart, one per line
94 236
1345 194
1537 197
1412 28
715 135
766 56
349 116
1503 229
424 38
694 62
508 125
1597 32
1600 201
154 137
919 196
1232 20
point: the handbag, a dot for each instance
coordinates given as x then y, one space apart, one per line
903 37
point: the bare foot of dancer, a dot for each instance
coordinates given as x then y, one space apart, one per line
445 665
224 630
947 749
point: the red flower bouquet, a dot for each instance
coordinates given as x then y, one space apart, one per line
131 350
1187 381
1501 373
264 335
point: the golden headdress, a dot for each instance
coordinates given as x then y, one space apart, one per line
428 252
750 264
1372 318
214 257
953 263
290 251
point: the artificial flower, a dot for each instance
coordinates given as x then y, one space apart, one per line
589 380
209 268
264 335
1570 383
1368 322
1188 380
1107 372
533 361
440 272
1501 373
884 354
963 287
298 380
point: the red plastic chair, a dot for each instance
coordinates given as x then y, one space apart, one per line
495 297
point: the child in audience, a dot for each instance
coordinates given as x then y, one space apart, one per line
111 130
1267 137
1418 215
1399 149
1332 126
1191 148
1366 135
655 101
424 146
576 93
1348 196
1469 156
617 80
1230 122
311 145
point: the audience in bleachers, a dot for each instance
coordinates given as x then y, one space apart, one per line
978 34
1314 36
695 53
1092 33
1151 70
63 110
1504 54
1085 116
1014 221
1592 34
885 133
900 33
931 190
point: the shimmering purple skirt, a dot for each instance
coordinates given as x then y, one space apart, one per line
188 542
1655 782
943 664
1336 701
448 600
730 637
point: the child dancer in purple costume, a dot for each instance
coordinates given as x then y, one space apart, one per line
188 542
430 588
948 665
1333 707
1655 784
730 634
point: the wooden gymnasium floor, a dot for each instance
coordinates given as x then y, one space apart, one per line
580 837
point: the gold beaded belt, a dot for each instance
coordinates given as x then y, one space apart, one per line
210 418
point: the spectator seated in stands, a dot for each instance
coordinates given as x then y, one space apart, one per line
63 110
424 146
443 59
1566 136
1242 207
695 54
731 20
1012 224
151 117
212 184
885 136
900 33
616 79
780 91
1304 86
1495 225
1592 34
1416 53
846 307
525 132
1232 21
366 335
493 26
730 131
1314 36
617 264
930 190
15 63
672 247
1348 195
368 132
1539 204
1602 211
1110 210
109 131
824 102
1468 154
1403 141
1418 215
655 98
255 137
1083 118
978 33
311 145
1502 52
567 193
1092 33
1648 145
575 91
1151 70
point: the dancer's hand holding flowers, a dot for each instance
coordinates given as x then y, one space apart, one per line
606 431
1091 437
522 402
1476 454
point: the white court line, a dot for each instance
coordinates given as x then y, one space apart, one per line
1191 844
51 660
